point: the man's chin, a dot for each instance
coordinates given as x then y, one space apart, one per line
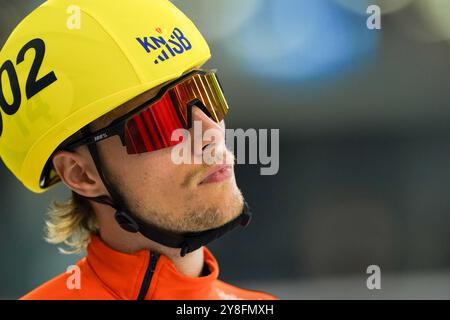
221 210
207 210
232 209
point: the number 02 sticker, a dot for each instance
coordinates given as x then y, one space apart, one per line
33 84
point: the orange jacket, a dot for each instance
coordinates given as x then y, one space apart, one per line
107 274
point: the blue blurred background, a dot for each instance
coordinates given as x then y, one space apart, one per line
364 150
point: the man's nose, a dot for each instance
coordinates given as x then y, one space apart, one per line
217 130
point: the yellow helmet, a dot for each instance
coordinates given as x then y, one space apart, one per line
70 62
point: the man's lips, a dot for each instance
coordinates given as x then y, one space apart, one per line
218 173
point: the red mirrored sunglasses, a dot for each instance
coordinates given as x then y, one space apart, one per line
149 127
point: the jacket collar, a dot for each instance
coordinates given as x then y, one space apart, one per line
124 274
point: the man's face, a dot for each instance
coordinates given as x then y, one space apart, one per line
175 197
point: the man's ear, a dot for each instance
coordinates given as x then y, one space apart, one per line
77 170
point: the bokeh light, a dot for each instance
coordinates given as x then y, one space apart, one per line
218 19
435 15
301 39
386 6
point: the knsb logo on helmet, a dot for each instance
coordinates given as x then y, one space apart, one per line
177 39
33 85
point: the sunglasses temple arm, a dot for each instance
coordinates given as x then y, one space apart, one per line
99 135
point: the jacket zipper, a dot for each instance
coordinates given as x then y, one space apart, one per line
153 260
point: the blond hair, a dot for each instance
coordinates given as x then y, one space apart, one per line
71 223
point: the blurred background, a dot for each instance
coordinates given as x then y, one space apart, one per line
364 150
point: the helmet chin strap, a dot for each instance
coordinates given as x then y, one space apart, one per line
188 241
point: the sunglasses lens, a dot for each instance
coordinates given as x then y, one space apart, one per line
206 88
152 128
